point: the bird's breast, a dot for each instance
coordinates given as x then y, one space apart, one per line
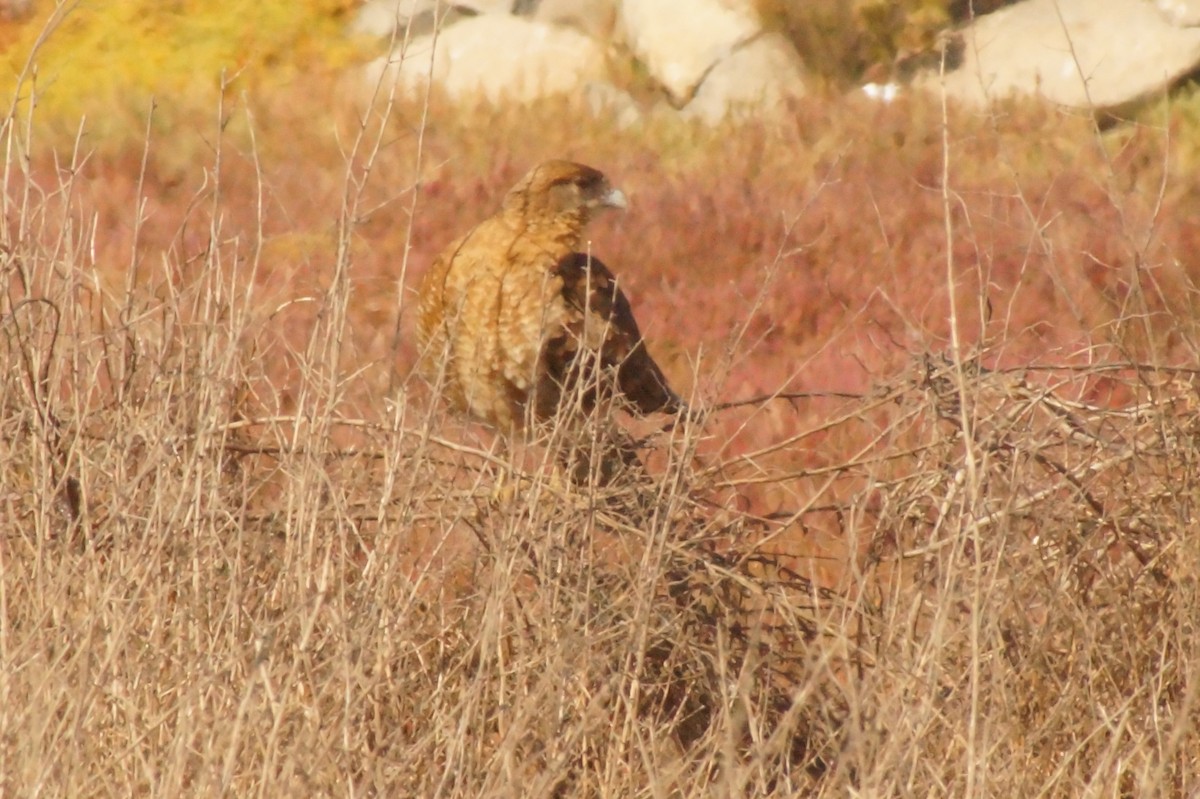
531 306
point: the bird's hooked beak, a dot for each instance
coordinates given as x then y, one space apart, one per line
614 198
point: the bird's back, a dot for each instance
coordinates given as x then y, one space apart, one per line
484 307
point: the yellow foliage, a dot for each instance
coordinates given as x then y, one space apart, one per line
105 57
841 40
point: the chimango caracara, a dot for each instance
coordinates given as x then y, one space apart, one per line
515 322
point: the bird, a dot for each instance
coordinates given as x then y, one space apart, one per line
519 324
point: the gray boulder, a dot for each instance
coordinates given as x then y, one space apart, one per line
605 101
494 57
753 80
1183 13
1093 54
711 57
680 40
417 17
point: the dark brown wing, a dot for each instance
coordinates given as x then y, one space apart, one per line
600 340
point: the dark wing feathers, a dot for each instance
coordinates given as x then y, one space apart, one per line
600 331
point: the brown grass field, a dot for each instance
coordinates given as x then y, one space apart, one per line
930 533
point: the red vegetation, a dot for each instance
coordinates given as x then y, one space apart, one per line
808 255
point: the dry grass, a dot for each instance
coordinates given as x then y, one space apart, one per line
243 554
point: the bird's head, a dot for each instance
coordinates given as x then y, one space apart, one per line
564 189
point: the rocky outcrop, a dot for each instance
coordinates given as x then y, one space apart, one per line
1093 54
754 79
605 101
710 57
495 57
1184 13
410 18
679 41
713 61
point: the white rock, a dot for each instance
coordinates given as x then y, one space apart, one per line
382 17
606 101
679 40
495 57
1097 54
753 80
881 92
1182 13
